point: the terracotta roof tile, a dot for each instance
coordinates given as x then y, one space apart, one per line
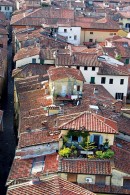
91 122
121 159
36 137
63 72
85 166
52 185
26 52
78 59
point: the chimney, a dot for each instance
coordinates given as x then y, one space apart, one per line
117 106
35 180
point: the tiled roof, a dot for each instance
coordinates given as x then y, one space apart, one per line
30 69
23 36
52 185
79 59
36 137
63 72
22 168
26 52
121 159
105 24
91 122
85 166
36 17
108 69
125 14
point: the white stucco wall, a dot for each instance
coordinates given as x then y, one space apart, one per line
71 32
7 10
117 177
114 88
28 60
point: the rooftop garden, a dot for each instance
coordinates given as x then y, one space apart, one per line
81 147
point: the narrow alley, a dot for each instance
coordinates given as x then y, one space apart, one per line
7 138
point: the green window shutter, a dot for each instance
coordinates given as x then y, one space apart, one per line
92 80
41 61
127 61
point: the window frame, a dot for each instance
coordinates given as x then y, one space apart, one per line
110 81
103 82
121 81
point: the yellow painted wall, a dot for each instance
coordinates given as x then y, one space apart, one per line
122 33
99 36
65 82
110 137
81 178
63 175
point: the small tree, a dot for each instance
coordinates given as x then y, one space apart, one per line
89 145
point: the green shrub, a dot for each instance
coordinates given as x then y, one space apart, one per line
107 154
99 154
65 152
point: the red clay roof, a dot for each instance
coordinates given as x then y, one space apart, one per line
92 123
121 159
53 185
26 52
22 168
36 137
85 166
63 72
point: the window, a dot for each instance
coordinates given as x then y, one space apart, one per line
127 61
65 30
8 8
78 87
93 68
100 179
74 139
103 80
110 81
75 37
92 80
91 33
85 68
121 81
126 183
33 60
119 96
70 37
1 45
90 40
0 7
78 67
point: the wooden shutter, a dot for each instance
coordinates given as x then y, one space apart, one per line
91 138
72 177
